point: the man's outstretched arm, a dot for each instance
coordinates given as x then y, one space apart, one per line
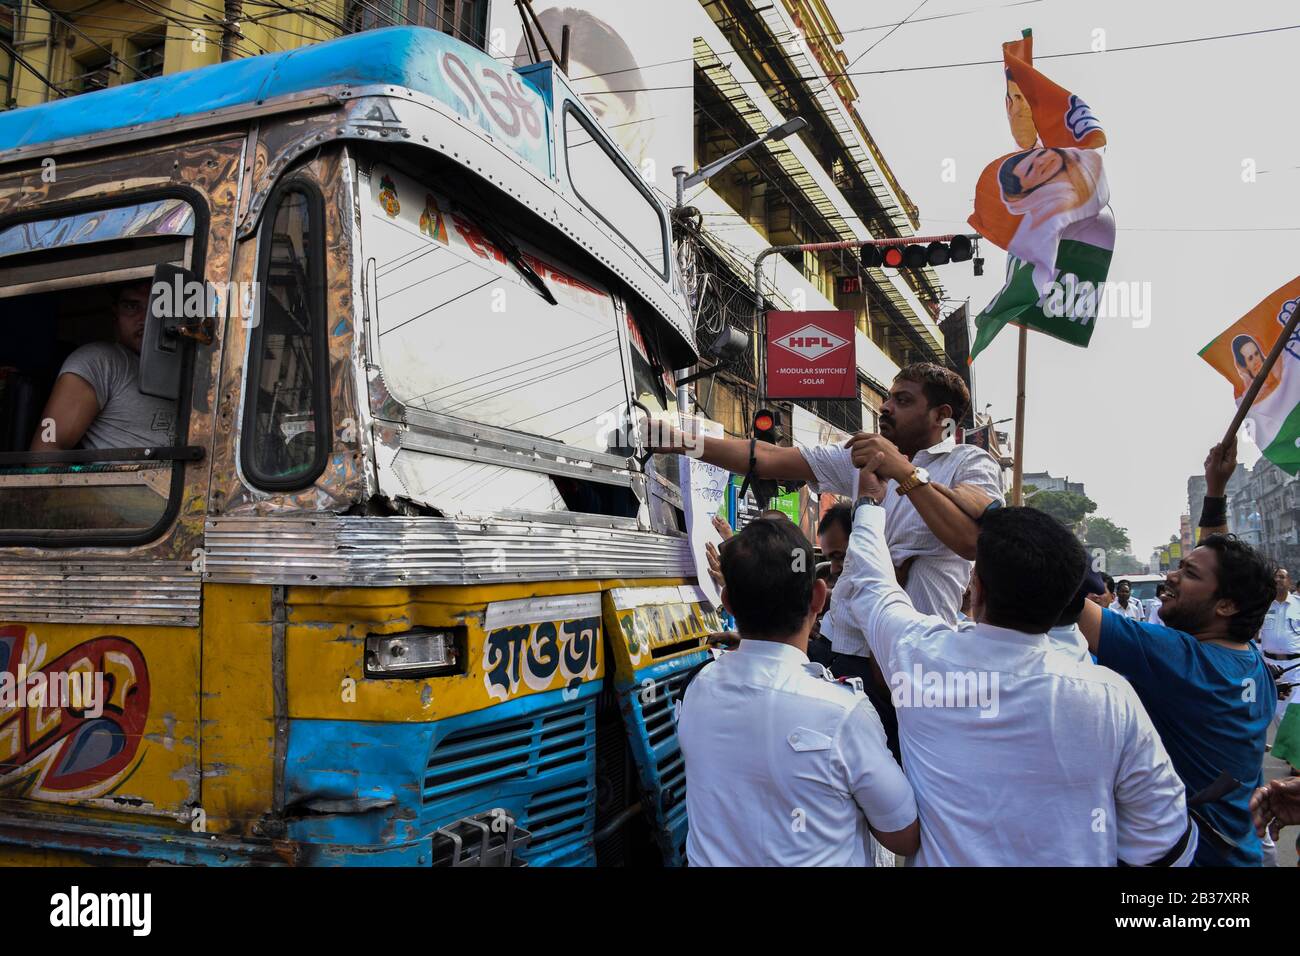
774 461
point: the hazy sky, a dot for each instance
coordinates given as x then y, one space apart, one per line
1134 414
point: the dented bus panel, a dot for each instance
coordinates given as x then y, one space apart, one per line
395 584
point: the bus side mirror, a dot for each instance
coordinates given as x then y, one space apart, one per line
179 308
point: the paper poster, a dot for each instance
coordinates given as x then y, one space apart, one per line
704 491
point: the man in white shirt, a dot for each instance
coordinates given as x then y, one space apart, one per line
785 766
1279 638
1127 605
1019 754
931 540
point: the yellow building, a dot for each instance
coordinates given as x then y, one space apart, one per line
55 48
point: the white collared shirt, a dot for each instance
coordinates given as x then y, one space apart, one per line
785 766
1022 755
938 577
1281 631
1067 639
1135 611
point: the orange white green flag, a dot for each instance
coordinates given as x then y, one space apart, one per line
1047 204
1238 354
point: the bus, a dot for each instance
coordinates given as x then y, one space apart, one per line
367 565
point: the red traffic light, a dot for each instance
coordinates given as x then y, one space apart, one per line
893 257
764 421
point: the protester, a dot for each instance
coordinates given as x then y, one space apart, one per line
833 538
1205 686
984 713
931 539
1127 605
784 764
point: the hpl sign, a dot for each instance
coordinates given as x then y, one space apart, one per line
811 355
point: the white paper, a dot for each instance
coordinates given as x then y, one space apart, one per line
704 488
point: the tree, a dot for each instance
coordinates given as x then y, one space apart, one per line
1067 507
1105 534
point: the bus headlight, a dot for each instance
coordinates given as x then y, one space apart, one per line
419 652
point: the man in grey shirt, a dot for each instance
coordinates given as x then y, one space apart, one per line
96 401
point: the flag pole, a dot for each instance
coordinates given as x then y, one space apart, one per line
1243 407
1018 467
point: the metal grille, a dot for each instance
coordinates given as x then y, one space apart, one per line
557 816
660 721
480 757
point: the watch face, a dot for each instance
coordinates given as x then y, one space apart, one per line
922 475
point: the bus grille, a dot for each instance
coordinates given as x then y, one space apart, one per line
540 767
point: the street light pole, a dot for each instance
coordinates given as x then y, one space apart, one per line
686 180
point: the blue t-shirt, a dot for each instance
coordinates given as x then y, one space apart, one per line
1211 706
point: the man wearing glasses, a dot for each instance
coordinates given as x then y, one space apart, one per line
96 401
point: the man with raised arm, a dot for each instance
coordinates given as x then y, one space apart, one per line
1020 753
931 540
1203 682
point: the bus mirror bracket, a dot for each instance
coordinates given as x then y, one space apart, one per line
179 308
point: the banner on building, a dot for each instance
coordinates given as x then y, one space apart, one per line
633 74
1047 204
1238 354
811 355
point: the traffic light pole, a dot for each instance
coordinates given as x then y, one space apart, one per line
760 314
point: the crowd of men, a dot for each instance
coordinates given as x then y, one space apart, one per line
962 687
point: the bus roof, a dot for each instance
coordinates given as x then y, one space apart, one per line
395 56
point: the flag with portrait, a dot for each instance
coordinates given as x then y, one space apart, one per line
1238 354
1047 204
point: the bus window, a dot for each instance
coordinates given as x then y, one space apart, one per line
286 416
74 425
603 181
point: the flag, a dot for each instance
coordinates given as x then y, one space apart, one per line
1286 745
1047 204
1238 354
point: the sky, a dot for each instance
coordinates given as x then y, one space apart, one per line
1133 415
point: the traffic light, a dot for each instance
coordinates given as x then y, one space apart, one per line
765 489
916 256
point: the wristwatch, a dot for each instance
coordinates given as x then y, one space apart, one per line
863 500
916 479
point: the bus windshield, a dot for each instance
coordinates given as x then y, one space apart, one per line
463 333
